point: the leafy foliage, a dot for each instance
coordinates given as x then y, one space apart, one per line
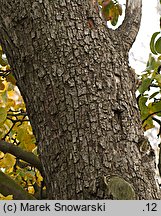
150 104
9 197
150 101
15 128
110 10
155 44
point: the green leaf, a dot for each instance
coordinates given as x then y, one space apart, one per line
143 108
115 16
142 101
152 47
4 97
158 78
153 95
145 85
151 63
148 124
114 20
3 114
155 108
158 46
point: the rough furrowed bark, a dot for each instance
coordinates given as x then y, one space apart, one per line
79 91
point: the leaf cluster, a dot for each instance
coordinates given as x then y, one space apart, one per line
16 130
110 10
149 99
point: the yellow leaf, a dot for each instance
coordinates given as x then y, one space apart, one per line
119 7
3 114
1 155
8 161
10 104
100 2
11 94
31 190
26 138
107 5
39 178
9 197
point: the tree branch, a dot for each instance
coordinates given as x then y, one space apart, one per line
159 163
5 73
131 24
9 187
29 157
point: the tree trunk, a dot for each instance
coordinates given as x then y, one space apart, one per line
79 92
